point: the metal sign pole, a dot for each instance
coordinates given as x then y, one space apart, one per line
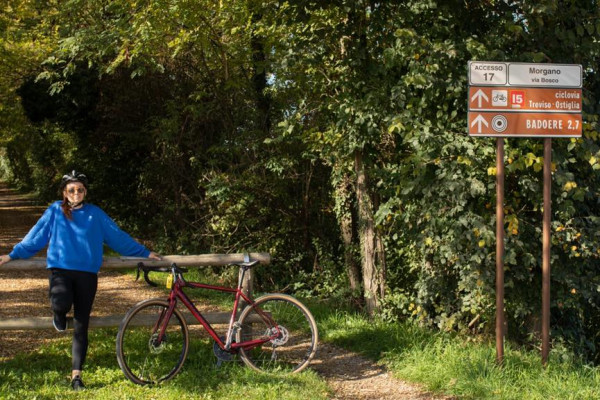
499 251
546 251
507 99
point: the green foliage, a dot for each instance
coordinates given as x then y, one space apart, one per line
5 172
440 189
230 126
25 42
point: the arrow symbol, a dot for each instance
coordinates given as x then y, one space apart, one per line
478 121
478 96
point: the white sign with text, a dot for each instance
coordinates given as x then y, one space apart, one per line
492 73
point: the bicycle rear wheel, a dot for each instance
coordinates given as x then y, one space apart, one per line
296 344
143 357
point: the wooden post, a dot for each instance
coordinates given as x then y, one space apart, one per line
247 279
546 250
500 251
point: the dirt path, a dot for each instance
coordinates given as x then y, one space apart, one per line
350 376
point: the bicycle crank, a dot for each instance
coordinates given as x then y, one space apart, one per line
221 354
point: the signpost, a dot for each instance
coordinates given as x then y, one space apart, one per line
486 98
524 100
487 123
493 73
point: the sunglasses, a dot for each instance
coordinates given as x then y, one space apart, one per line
76 190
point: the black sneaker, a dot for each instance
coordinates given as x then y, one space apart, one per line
59 322
77 383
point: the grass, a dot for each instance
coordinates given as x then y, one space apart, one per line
43 374
449 364
440 362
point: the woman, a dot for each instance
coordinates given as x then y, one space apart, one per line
75 233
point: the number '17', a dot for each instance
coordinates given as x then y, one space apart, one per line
488 75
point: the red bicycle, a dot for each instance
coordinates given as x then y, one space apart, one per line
275 333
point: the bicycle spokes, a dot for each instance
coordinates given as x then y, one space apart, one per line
146 356
286 346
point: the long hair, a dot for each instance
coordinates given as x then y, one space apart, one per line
66 208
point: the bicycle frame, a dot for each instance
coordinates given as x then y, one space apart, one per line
228 345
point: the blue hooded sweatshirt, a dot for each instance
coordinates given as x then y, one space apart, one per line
76 244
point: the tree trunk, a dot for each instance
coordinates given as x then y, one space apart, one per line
368 238
345 217
382 264
380 259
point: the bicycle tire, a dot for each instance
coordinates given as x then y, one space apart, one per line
296 346
141 359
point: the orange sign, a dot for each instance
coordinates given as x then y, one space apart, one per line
485 98
516 124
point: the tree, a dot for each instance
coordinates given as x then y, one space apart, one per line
331 134
25 42
332 53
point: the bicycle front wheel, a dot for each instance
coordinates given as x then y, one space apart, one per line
294 325
144 356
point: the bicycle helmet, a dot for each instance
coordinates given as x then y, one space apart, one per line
74 176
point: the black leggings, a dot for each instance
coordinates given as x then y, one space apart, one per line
75 288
